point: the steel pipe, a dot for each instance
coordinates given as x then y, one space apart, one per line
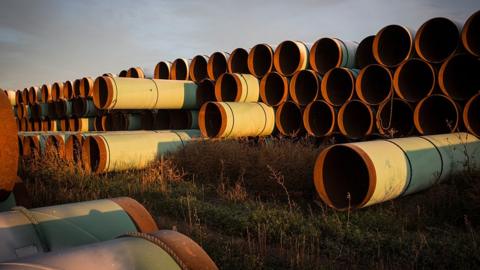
217 64
260 60
338 85
274 89
83 107
198 68
34 95
413 80
290 57
238 61
46 93
319 118
86 87
206 92
57 91
459 76
437 39
305 87
364 53
236 87
374 84
63 108
162 70
393 44
179 69
395 118
356 119
469 35
436 114
288 119
327 53
183 119
136 72
68 90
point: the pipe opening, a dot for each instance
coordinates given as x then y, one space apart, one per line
45 92
338 86
218 65
102 93
180 119
91 154
162 121
228 87
79 107
57 91
374 84
319 118
86 87
471 113
135 73
205 92
364 54
123 74
395 118
68 89
260 60
436 114
392 45
274 89
305 86
289 119
76 88
325 54
98 123
212 120
355 119
288 56
470 36
414 80
437 39
345 177
179 70
162 71
198 68
238 61
459 76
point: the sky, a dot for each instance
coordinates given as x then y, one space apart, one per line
43 41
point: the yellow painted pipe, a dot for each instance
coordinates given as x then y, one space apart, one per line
327 53
436 114
355 119
234 119
57 91
469 35
290 57
459 78
162 70
274 89
319 118
81 124
356 175
305 87
288 119
206 92
83 107
234 87
238 61
437 39
470 115
338 85
183 119
393 44
68 90
128 93
374 84
123 151
46 93
179 69
414 79
395 118
198 68
9 148
364 53
260 60
217 64
34 95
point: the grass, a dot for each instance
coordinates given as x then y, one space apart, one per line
250 205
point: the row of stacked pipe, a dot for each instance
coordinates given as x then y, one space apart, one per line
395 84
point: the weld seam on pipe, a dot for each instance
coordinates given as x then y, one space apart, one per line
440 156
233 120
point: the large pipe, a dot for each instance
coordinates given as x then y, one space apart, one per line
413 80
76 87
364 53
24 124
64 124
73 147
39 111
86 87
459 76
52 113
68 90
198 68
290 57
46 93
469 36
206 92
237 87
83 107
123 74
148 119
57 91
327 53
9 151
33 144
162 120
338 85
25 98
274 89
235 119
355 119
305 87
319 118
183 119
123 151
179 69
34 95
128 93
63 108
260 60
374 84
393 44
238 61
356 175
470 115
159 250
162 70
217 64
81 124
436 114
55 228
288 119
18 97
395 118
437 39
136 72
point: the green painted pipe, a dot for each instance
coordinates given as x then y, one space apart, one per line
291 56
234 87
234 119
356 175
109 152
55 228
162 70
217 64
128 93
327 53
158 250
83 107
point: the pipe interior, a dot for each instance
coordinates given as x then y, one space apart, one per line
437 115
340 86
219 64
462 76
181 70
238 61
134 73
394 45
92 153
438 39
179 119
163 71
76 87
357 119
327 55
416 80
306 87
473 38
472 116
228 87
320 119
345 177
262 60
289 57
78 107
376 84
101 96
147 120
205 92
122 73
274 89
199 68
74 124
396 120
163 120
290 119
364 54
213 120
86 87
69 89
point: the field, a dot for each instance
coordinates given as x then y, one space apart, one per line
251 204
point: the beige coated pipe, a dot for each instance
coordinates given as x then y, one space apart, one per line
179 69
290 57
327 53
162 70
234 87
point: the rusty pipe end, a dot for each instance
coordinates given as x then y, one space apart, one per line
212 119
238 61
